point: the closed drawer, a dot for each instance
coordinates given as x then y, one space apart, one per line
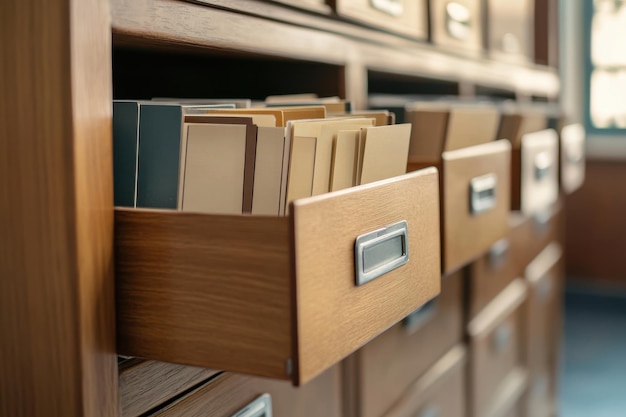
508 400
510 33
237 395
265 295
541 397
381 371
143 385
535 172
496 337
457 24
440 392
475 201
572 172
407 17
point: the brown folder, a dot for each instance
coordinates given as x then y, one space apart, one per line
385 152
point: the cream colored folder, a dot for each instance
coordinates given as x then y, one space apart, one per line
213 173
385 152
268 171
324 150
301 166
345 158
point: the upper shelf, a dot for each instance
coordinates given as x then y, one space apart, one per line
255 27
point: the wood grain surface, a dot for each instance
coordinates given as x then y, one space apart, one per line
335 317
492 358
441 389
466 235
229 393
57 334
144 385
508 401
390 363
203 290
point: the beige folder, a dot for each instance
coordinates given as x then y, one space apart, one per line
213 171
385 152
268 171
301 166
345 158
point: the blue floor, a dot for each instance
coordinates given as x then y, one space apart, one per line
593 370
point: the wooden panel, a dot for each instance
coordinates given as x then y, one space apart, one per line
496 346
509 397
440 391
212 291
411 21
465 43
143 385
467 235
596 225
335 317
387 365
57 350
229 393
505 261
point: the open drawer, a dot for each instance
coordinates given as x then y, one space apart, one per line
278 297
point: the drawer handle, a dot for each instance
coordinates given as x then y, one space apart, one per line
458 20
429 411
483 193
544 289
260 407
542 219
381 251
502 337
391 7
542 163
498 252
574 155
419 317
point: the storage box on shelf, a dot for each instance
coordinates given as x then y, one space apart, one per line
474 173
496 340
377 375
406 17
244 396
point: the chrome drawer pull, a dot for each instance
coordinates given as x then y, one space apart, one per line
381 251
416 319
543 164
483 193
458 20
391 7
498 252
260 407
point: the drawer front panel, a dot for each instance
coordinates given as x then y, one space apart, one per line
476 198
496 345
408 17
572 157
539 171
457 24
510 25
330 306
230 393
391 362
439 392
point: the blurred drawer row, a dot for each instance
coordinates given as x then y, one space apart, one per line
506 29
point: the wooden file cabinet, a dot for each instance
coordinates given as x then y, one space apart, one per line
457 24
58 307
